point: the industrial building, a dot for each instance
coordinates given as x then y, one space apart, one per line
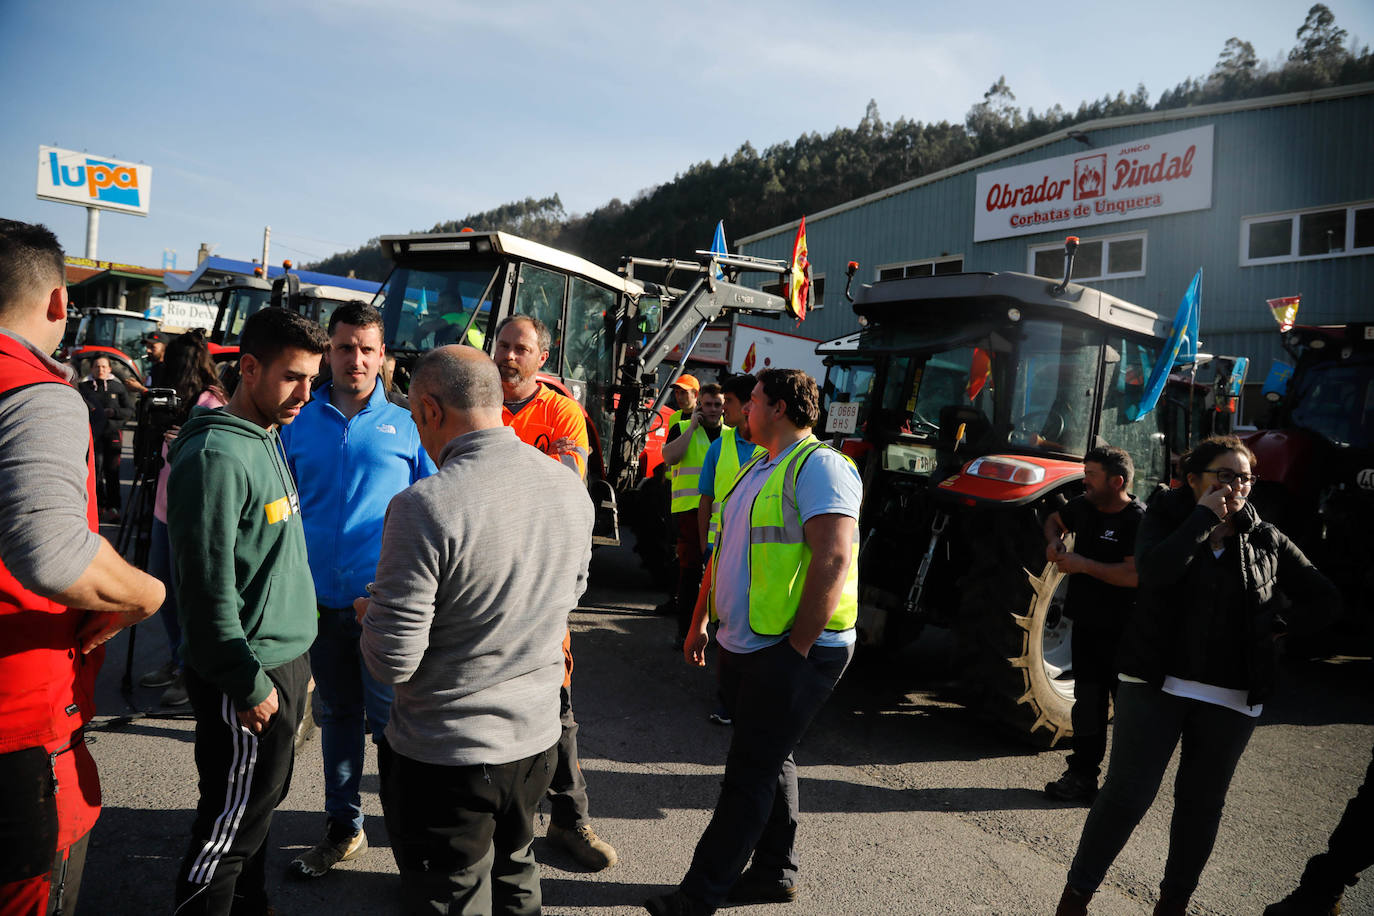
1270 197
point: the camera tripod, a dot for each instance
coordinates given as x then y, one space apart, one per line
136 533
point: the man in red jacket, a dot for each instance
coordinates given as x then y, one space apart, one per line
64 590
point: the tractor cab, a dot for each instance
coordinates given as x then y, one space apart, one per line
115 334
974 365
457 288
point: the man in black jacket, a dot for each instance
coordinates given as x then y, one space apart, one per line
1101 594
110 407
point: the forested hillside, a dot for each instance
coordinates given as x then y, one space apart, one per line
753 191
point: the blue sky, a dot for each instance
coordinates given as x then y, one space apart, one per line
334 121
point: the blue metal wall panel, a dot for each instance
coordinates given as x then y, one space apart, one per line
1266 160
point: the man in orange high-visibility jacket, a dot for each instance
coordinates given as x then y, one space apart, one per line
556 425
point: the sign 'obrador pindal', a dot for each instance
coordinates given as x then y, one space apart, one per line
1152 176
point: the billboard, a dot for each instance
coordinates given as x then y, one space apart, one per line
1154 176
92 181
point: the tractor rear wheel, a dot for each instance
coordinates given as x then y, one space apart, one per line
1021 639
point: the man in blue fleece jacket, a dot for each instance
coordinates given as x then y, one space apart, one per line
350 451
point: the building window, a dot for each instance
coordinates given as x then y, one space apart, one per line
1325 232
1108 258
817 289
930 267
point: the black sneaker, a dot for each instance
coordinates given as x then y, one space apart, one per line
676 904
1071 787
721 717
753 887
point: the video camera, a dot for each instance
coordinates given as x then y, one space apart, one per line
158 411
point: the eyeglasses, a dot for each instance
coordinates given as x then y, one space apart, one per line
1226 475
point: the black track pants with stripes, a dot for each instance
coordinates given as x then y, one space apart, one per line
243 777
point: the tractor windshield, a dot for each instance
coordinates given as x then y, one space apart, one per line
1028 385
429 308
1053 383
241 304
1336 401
123 332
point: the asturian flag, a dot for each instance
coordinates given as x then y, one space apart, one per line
797 292
1179 349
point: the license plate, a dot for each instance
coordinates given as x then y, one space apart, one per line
842 418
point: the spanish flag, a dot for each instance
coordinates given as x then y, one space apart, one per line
750 359
798 291
980 369
1285 311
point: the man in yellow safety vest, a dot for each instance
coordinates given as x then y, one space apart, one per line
785 587
684 451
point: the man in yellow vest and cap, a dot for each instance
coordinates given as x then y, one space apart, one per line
684 451
785 587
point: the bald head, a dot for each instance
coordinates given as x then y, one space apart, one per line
454 390
458 377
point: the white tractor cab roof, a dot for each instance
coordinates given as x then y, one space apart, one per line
336 293
503 243
849 343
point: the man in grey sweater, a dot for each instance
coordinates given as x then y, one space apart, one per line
480 565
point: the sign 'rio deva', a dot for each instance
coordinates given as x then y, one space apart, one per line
76 178
1171 173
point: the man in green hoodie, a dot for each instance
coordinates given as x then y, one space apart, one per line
246 602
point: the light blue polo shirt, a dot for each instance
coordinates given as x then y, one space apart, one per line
706 483
346 472
826 485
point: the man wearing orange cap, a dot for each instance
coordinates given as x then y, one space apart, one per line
684 391
684 452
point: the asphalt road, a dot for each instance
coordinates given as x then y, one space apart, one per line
910 803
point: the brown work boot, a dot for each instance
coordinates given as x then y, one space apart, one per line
1305 901
1072 903
585 846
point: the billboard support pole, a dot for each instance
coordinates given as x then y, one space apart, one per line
92 232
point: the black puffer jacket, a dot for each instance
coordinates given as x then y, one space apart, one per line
1176 617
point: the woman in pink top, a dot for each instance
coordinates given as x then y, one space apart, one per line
190 371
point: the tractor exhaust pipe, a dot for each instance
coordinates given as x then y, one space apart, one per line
1070 247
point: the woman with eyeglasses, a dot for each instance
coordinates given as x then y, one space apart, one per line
1196 664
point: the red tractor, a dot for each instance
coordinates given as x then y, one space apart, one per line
1316 458
977 396
112 333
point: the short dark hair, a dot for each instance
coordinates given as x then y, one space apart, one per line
1196 461
799 391
458 378
269 331
1115 461
30 259
541 330
711 388
358 315
741 386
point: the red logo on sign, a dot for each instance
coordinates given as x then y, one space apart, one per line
1090 177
